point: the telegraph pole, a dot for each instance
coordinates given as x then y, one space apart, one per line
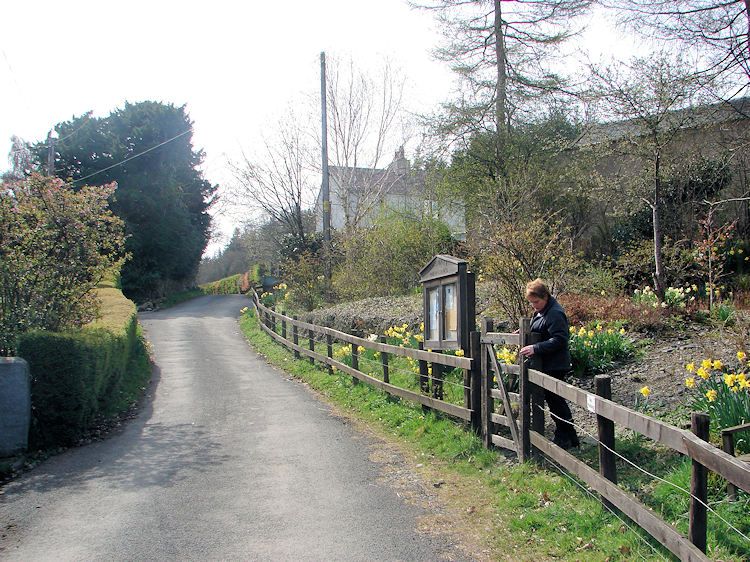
325 191
50 154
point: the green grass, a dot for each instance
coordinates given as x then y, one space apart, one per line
520 509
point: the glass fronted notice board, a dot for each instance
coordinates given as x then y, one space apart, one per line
449 309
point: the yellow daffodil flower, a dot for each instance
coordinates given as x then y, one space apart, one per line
690 367
690 382
645 391
711 395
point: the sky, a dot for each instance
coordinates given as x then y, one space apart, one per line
236 65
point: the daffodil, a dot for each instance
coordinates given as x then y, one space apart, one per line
690 382
718 364
729 380
645 391
707 364
622 331
741 355
690 367
702 373
711 395
459 353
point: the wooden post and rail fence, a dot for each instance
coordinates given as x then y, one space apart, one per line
487 382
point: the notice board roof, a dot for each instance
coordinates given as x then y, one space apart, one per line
441 265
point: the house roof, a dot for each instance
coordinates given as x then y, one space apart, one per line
396 178
688 118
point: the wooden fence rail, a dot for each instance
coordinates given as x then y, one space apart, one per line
530 429
526 421
466 412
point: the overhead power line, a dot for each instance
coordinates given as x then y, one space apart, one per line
128 159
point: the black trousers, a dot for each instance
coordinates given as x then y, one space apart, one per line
559 407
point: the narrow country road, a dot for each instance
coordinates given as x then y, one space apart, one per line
229 459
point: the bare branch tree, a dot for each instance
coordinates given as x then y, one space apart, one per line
278 182
366 123
717 30
655 97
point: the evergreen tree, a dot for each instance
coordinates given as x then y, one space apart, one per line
161 196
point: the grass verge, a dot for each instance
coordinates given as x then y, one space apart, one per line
498 508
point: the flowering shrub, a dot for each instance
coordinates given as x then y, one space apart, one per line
722 392
56 245
596 350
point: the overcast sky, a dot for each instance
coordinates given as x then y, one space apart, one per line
236 65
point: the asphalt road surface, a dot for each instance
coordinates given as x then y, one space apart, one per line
229 459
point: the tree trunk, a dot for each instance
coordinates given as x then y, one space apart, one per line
502 79
659 288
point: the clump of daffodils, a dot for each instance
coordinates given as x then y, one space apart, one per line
721 389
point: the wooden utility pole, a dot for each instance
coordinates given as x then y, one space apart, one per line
50 154
325 190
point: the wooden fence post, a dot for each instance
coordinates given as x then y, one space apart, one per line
384 360
311 343
355 362
424 377
474 376
273 319
283 327
699 487
488 404
437 380
329 349
524 388
606 435
295 336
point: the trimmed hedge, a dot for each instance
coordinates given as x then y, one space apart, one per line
79 376
232 285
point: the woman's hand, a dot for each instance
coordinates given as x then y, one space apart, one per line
527 351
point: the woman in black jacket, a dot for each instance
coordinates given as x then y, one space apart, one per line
551 322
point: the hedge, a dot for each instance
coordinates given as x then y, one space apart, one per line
234 284
80 376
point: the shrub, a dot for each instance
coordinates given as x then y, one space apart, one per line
636 264
56 245
228 286
512 255
599 280
79 375
385 259
304 274
585 309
